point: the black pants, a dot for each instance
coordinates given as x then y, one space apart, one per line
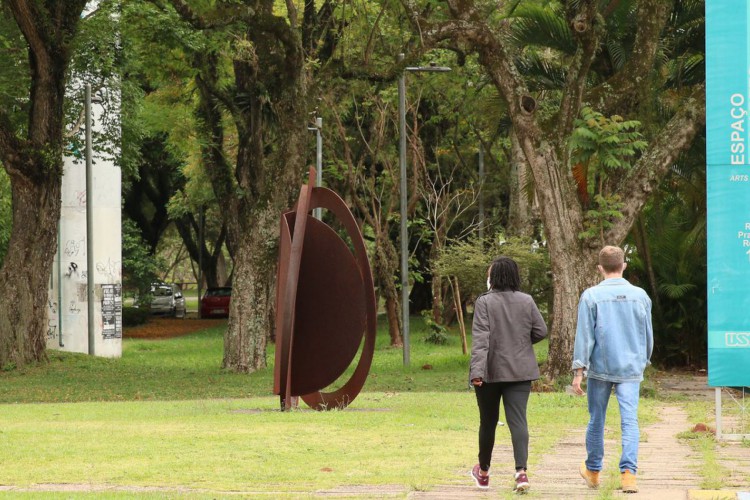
515 396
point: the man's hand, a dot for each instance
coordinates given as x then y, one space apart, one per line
577 379
477 382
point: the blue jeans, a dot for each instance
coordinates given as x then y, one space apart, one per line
598 396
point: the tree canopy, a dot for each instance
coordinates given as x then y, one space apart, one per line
588 113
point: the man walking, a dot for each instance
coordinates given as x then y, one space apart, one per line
613 345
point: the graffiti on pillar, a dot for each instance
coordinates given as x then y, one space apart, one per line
75 248
110 269
81 198
74 307
51 319
112 311
51 328
72 269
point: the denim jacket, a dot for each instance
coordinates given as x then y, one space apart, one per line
614 337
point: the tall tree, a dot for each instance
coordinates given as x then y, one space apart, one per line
32 156
146 197
544 136
251 81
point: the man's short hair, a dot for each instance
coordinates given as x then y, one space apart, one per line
611 258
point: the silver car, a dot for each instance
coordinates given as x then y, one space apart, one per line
167 299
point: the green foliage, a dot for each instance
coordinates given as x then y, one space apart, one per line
603 146
601 217
670 261
6 214
543 26
436 333
134 316
469 260
96 60
139 267
14 77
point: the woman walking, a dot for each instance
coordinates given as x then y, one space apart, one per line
506 324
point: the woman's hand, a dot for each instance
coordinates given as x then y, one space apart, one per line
476 382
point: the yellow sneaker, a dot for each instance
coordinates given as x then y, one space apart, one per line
627 480
591 477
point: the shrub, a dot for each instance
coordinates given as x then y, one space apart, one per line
436 333
134 316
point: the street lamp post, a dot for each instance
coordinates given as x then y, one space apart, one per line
88 100
402 166
318 129
89 223
480 158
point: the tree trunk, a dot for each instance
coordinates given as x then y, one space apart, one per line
26 271
213 274
252 294
385 264
437 297
437 281
572 273
573 260
519 216
34 164
256 229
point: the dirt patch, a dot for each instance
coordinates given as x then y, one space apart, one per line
163 328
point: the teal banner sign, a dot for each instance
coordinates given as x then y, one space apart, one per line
728 186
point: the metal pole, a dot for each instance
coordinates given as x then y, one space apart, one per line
89 225
59 285
717 399
404 235
481 192
319 160
201 222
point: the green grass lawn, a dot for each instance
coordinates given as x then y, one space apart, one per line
417 440
189 367
166 416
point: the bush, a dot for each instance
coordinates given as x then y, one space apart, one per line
469 260
134 316
139 267
436 333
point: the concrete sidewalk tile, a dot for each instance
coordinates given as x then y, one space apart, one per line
711 495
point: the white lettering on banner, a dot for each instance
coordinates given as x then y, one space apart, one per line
737 138
737 339
744 235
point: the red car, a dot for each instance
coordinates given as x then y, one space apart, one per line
215 302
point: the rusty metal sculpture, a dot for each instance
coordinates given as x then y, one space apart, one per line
325 303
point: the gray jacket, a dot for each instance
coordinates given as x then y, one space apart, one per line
505 326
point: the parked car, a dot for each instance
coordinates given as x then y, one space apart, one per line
167 299
215 302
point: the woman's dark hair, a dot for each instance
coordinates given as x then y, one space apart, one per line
504 274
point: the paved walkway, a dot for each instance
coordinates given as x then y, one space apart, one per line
668 468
